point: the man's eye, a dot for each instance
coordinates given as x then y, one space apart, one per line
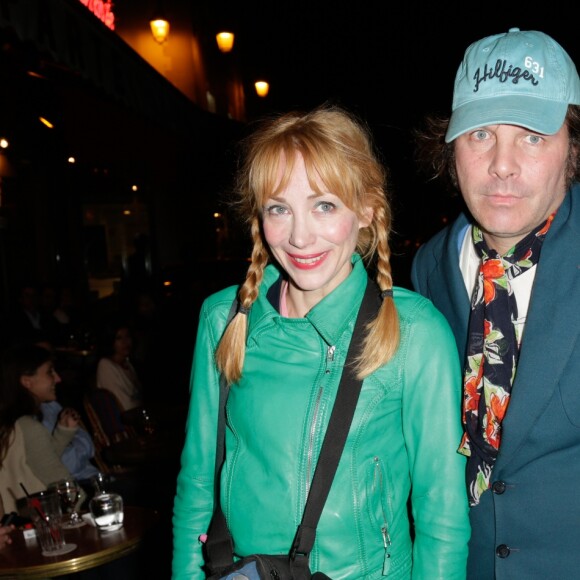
480 134
534 139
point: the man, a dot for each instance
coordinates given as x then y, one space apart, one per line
511 147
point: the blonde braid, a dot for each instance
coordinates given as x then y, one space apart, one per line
382 338
231 350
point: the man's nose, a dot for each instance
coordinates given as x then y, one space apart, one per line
504 162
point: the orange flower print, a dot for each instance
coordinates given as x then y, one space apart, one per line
492 433
498 405
488 290
549 221
492 269
471 394
486 327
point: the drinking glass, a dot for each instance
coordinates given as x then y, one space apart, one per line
69 491
107 511
46 514
101 483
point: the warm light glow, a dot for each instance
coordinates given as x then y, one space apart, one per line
160 29
134 188
262 88
126 212
167 283
46 122
3 143
217 215
103 10
72 160
225 41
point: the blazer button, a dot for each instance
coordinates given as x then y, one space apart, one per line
498 487
502 551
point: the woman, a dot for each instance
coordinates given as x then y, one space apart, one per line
313 193
29 453
5 530
114 369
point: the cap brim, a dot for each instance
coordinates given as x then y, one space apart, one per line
539 115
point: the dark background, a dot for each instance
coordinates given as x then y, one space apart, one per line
391 64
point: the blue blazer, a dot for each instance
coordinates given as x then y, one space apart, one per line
527 525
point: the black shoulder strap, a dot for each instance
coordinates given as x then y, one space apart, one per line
338 427
218 547
220 448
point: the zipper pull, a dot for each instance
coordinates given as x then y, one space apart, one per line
329 357
386 544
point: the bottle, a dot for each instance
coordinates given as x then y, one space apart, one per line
147 423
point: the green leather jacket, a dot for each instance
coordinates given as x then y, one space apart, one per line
402 441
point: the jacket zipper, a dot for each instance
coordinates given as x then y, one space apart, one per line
329 359
384 527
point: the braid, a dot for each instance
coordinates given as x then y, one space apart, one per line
232 347
383 332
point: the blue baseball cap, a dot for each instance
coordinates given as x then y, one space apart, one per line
516 78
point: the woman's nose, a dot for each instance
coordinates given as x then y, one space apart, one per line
302 233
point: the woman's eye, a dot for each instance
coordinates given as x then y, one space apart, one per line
325 206
275 210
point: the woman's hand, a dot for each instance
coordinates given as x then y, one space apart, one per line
69 418
5 538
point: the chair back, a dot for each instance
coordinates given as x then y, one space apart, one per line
105 416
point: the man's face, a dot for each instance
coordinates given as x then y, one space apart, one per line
511 179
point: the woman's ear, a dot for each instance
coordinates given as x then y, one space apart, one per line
367 217
26 381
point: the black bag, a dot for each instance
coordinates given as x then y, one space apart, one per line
262 567
295 565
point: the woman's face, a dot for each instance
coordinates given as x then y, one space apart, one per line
312 236
123 342
42 384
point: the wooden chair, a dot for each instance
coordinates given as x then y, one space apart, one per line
105 417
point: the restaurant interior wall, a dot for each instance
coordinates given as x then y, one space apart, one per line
178 160
189 58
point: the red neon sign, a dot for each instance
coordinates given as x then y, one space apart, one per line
103 10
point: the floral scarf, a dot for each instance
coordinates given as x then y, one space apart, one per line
492 353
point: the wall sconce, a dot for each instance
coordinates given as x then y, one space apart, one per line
262 88
159 28
225 41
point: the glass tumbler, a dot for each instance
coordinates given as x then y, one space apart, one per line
107 511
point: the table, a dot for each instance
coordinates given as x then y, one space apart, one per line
23 559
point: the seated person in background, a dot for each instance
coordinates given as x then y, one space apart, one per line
28 379
5 531
78 453
26 322
114 369
5 538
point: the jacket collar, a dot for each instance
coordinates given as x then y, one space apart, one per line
334 314
553 321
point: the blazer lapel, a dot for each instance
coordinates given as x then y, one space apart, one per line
552 326
447 289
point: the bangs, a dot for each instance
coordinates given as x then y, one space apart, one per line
273 167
